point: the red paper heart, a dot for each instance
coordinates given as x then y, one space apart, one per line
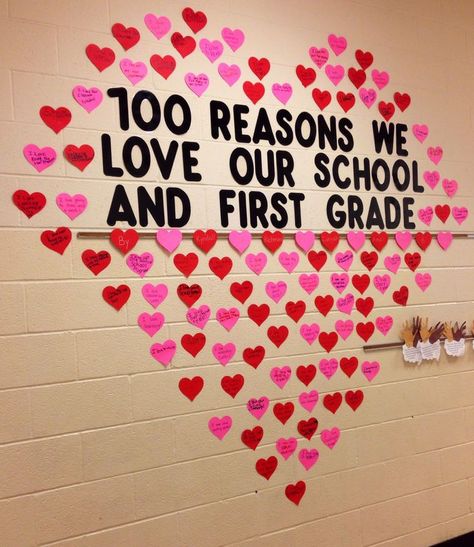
412 260
220 266
305 75
321 98
191 387
184 45
232 384
253 91
317 259
283 411
365 330
258 314
401 296
324 304
294 492
379 240
306 374
307 428
349 365
29 204
80 156
254 356
252 437
345 100
124 241
186 264
116 296
295 310
57 240
101 58
423 240
365 305
329 240
196 20
241 291
189 294
328 340
272 240
387 110
354 398
163 65
443 212
361 282
364 58
266 467
278 335
332 401
55 119
356 76
96 262
205 240
402 100
193 343
126 37
369 259
260 67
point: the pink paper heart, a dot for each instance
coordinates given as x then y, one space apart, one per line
163 353
403 239
154 294
286 447
134 72
392 263
308 458
197 83
151 324
169 239
435 154
345 304
240 240
199 316
228 317
460 214
280 376
140 264
233 38
229 73
337 43
420 131
423 280
319 56
450 187
344 260
219 427
256 262
367 96
344 328
305 240
426 215
384 324
328 367
258 407
335 73
39 158
444 239
330 437
289 261
382 283
308 399
71 206
308 282
158 26
380 79
89 99
212 50
223 352
356 239
309 332
339 282
431 178
282 92
276 291
370 369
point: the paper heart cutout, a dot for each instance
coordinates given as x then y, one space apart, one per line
212 50
258 313
101 58
357 76
321 98
256 262
282 92
332 401
151 324
205 240
186 264
189 294
308 458
266 467
289 261
260 67
95 262
198 316
240 240
384 324
193 343
197 83
380 78
89 99
140 264
286 447
241 291
339 282
295 492
324 304
367 96
116 297
232 384
276 291
328 367
57 240
356 239
196 20
443 212
308 400
387 110
233 38
133 71
79 156
169 239
435 154
330 437
403 239
423 240
392 263
402 100
29 204
335 73
423 280
258 407
382 283
305 75
308 282
272 240
191 387
431 178
126 37
344 260
426 215
71 206
361 282
305 240
329 240
184 45
253 91
364 58
295 310
39 158
317 259
229 73
460 214
306 374
283 411
349 365
252 437
309 333
421 132
277 335
124 241
163 65
450 187
328 340
219 427
337 43
345 304
370 369
55 118
319 56
365 330
158 26
228 317
444 239
254 356
354 398
280 376
344 328
401 296
155 294
224 352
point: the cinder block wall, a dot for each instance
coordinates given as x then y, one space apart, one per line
98 447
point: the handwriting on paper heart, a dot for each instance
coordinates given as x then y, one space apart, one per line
56 240
224 352
197 83
124 241
384 324
286 447
345 304
126 37
258 407
344 328
101 58
151 324
196 20
431 178
219 427
380 78
289 261
421 132
308 282
158 26
426 215
309 333
330 437
450 187
367 96
435 154
280 376
308 458
39 158
116 297
308 400
191 387
229 73
382 282
233 38
155 294
423 280
95 262
256 262
89 99
337 43
370 369
140 264
29 204
319 56
228 317
339 281
55 118
212 50
335 73
163 65
328 367
79 156
282 92
199 316
344 260
460 214
72 206
133 71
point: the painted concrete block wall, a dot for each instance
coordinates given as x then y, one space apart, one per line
97 446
